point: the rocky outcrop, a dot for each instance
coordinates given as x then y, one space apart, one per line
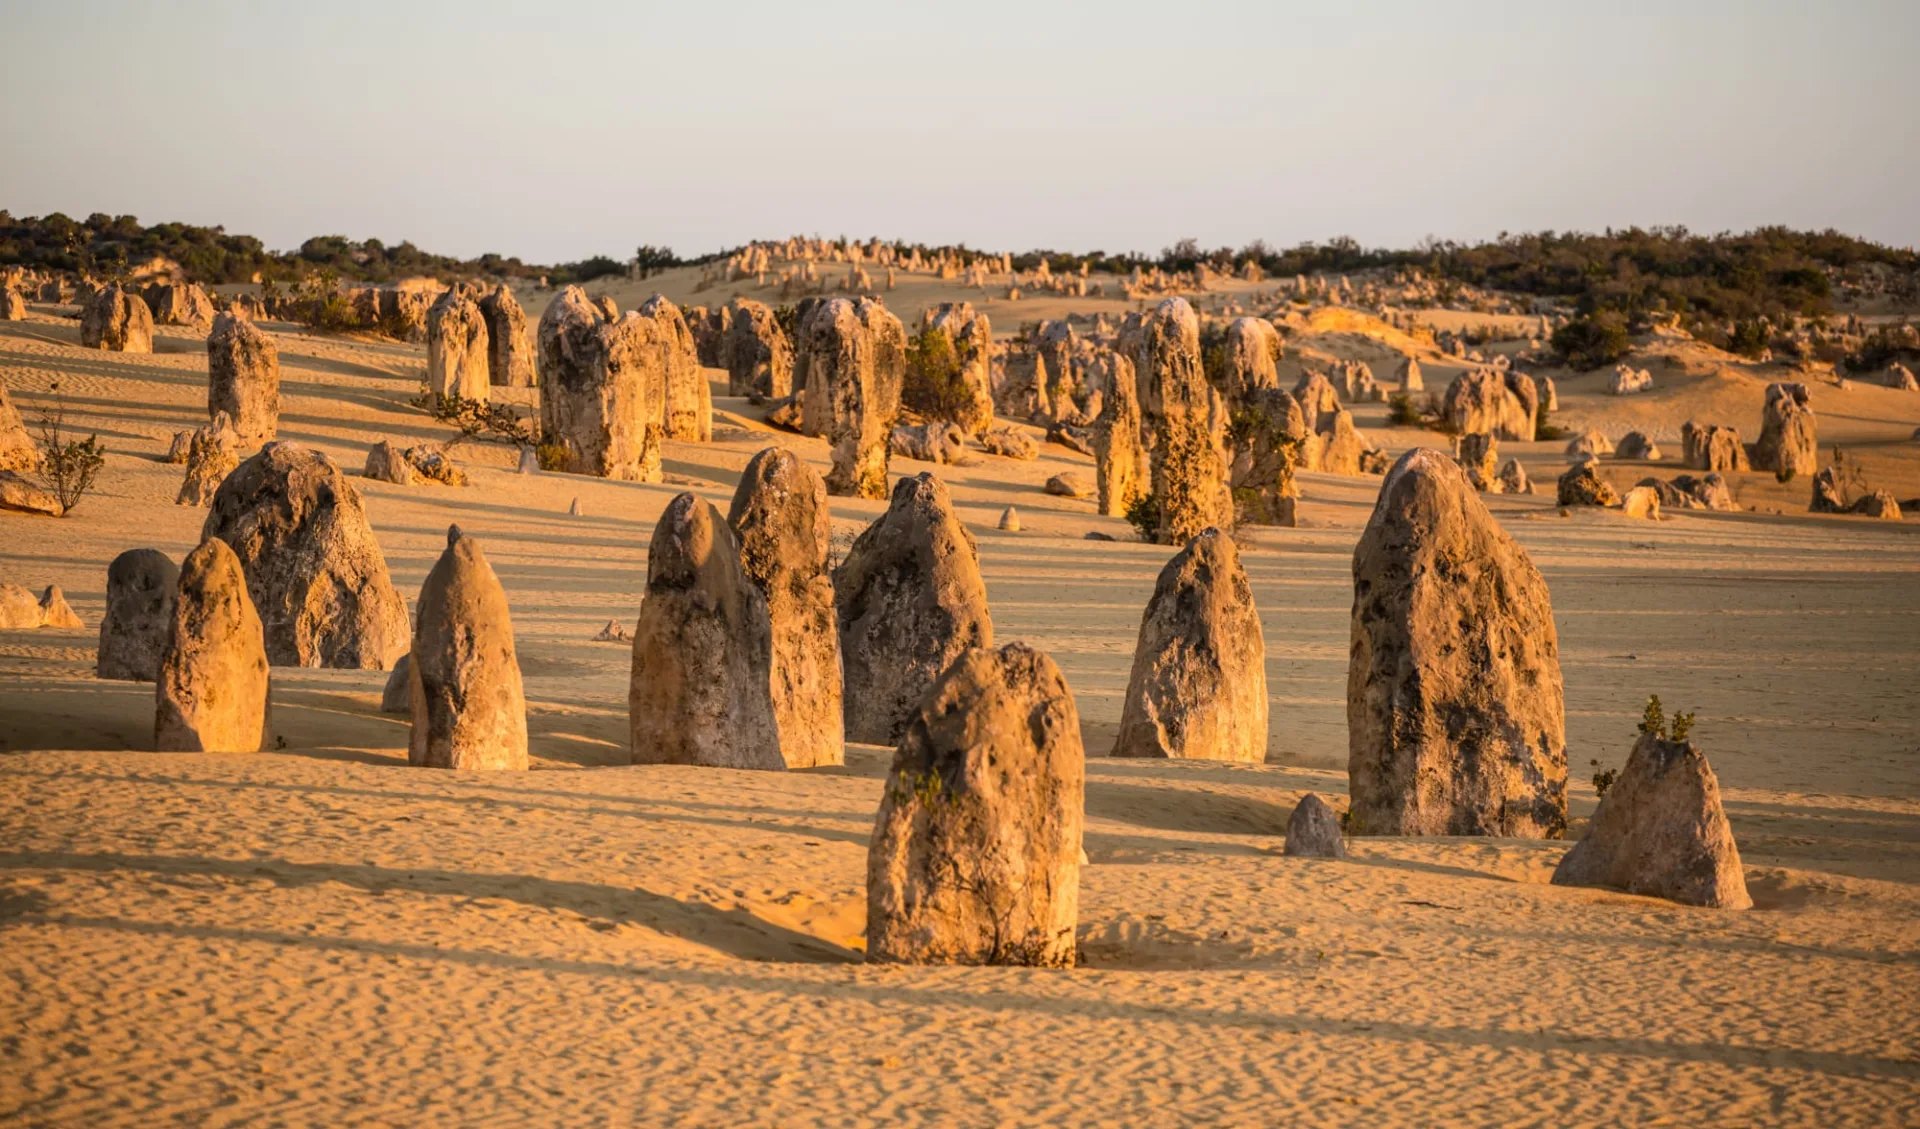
687 414
1009 444
1313 831
1513 479
779 517
1788 443
1455 719
759 358
17 448
213 452
975 854
1187 419
846 394
1120 470
1879 504
12 306
701 691
117 321
179 303
211 694
935 441
971 336
1252 348
141 584
1408 376
243 378
1636 445
1487 400
56 612
457 347
909 599
1479 455
1641 502
1583 486
603 391
1589 444
463 675
314 569
1712 447
1198 689
1339 447
510 358
1317 397
1660 831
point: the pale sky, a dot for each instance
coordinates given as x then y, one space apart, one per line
558 131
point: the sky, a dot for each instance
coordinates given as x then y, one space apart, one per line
559 131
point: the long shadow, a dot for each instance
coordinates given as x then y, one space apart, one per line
499 799
1180 809
1003 996
736 933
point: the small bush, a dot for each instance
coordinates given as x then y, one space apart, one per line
1603 778
1401 411
933 385
1749 338
68 467
1592 341
1653 719
1543 426
478 419
551 456
1143 513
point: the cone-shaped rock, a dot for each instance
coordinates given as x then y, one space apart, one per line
213 451
1199 684
1660 831
243 378
702 651
845 397
133 633
910 599
313 566
509 353
1455 722
975 855
17 448
55 611
779 516
463 677
211 695
1313 831
1253 345
457 347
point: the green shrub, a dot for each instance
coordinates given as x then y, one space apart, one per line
1401 411
1143 513
68 467
1592 341
1543 426
934 385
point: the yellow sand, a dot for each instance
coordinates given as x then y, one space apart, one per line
319 935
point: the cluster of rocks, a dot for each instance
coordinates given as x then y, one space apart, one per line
1789 443
21 610
116 320
1501 403
1628 381
411 466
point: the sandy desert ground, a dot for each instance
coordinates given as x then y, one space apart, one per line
319 935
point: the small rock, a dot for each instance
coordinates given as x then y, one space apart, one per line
1010 520
1313 831
1069 484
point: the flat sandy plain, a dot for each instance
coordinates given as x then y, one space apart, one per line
319 935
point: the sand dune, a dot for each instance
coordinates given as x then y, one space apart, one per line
318 935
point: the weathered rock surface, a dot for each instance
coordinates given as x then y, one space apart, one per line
701 691
1069 484
1878 504
1313 831
457 347
243 378
1198 689
1455 718
397 695
935 441
12 306
1641 502
1189 471
1513 478
780 519
179 303
759 358
1009 444
1479 455
213 451
19 611
1660 831
510 357
687 414
972 337
1636 445
17 448
55 611
852 372
975 855
909 599
211 694
1583 486
1713 447
141 584
603 390
19 494
1788 443
1487 400
463 675
117 321
1009 520
314 569
1253 346
1121 472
